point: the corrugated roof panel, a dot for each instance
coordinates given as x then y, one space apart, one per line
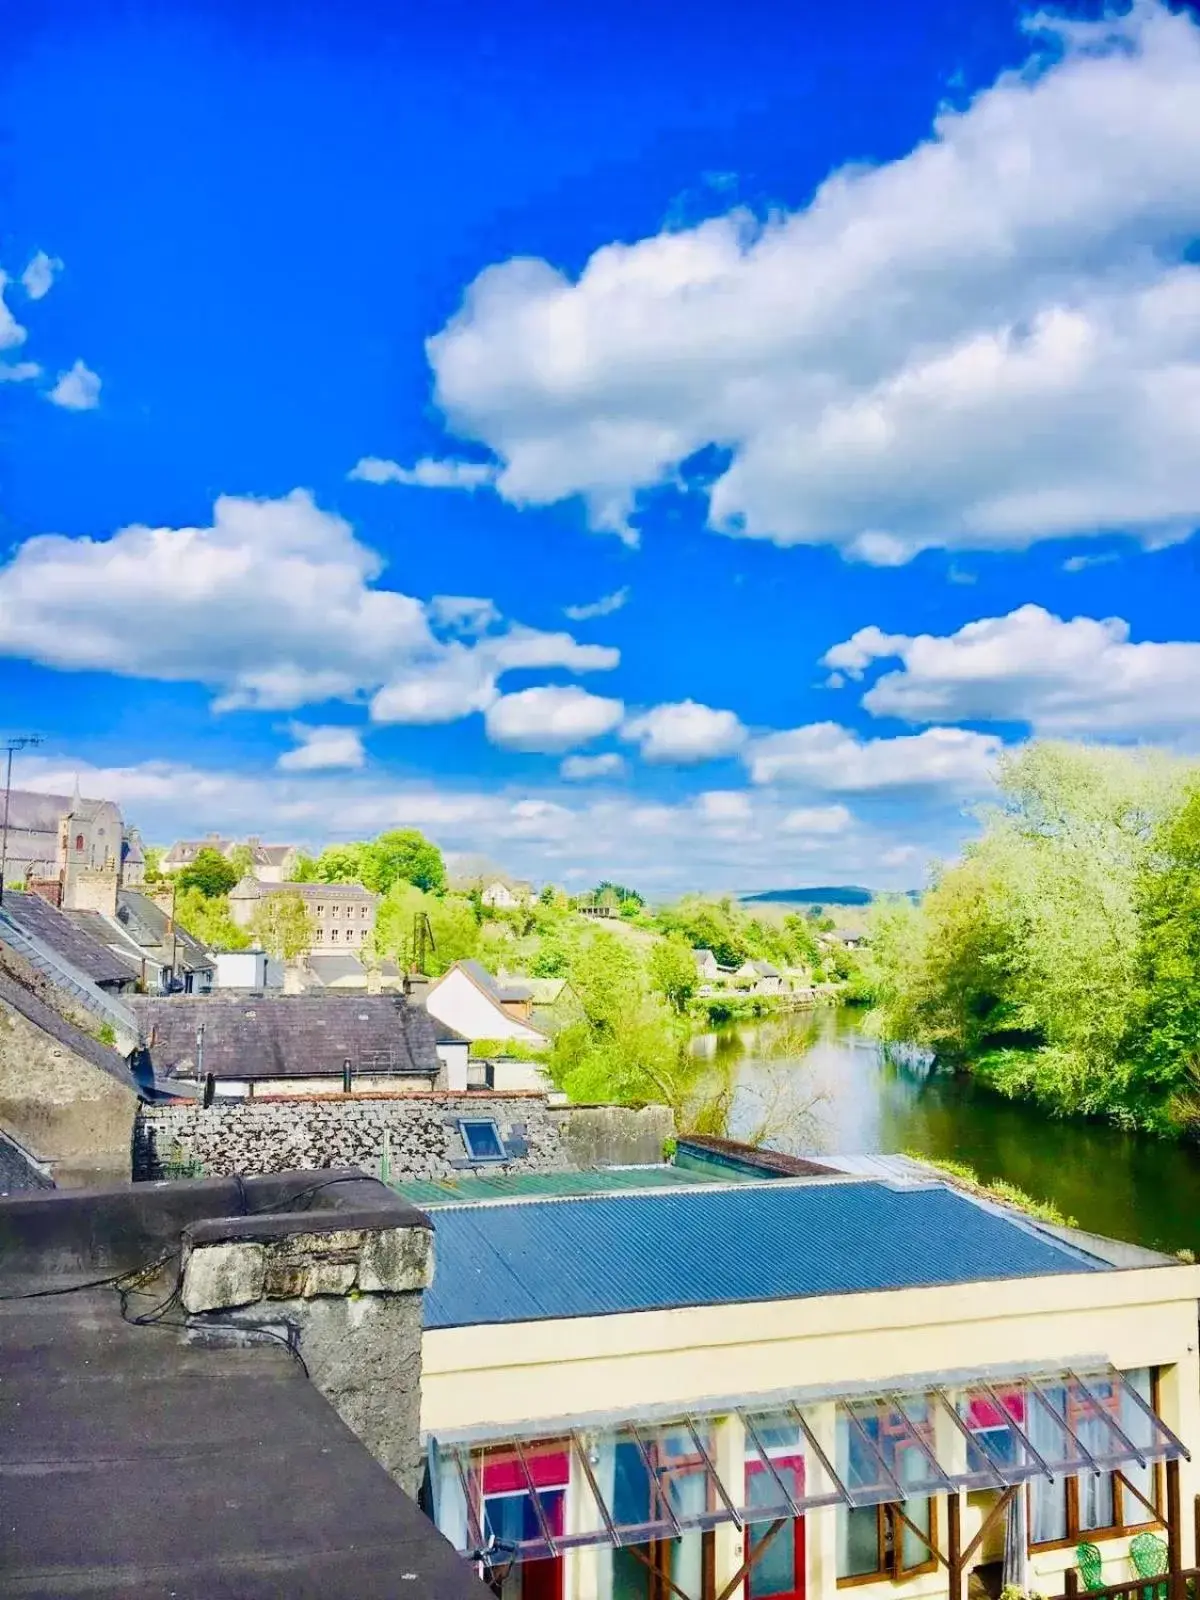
479 1186
537 1259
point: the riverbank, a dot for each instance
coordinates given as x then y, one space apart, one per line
862 1099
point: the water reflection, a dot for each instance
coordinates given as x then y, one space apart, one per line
859 1098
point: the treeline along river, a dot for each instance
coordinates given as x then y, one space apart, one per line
861 1099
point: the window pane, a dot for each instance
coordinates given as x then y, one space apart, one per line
482 1140
775 1571
1095 1500
858 1541
1137 1426
914 1552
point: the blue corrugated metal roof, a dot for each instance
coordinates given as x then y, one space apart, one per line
610 1253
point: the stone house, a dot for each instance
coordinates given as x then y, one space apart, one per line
173 960
75 852
65 1098
343 914
506 894
289 1045
759 976
269 863
82 939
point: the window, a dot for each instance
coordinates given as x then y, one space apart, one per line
482 1139
333 910
320 911
889 1539
333 937
1088 1504
362 911
319 936
79 842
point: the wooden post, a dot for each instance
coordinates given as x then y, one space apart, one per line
1174 1533
1071 1582
954 1544
1196 1531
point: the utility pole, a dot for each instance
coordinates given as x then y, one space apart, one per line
20 742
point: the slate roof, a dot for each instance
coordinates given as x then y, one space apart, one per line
328 967
537 1259
251 889
79 946
288 1036
147 923
51 1022
32 812
119 942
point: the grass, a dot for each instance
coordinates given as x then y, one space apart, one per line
965 1177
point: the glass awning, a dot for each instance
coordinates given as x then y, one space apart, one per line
631 1481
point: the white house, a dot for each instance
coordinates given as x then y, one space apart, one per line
468 999
506 894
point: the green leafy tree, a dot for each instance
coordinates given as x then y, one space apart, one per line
241 859
154 854
207 918
282 926
304 869
1167 1031
455 930
672 970
209 872
341 863
709 925
403 856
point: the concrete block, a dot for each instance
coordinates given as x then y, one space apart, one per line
396 1261
218 1276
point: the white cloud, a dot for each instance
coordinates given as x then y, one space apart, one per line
322 749
460 613
11 331
993 340
18 371
274 606
38 277
724 807
589 769
820 820
551 719
1082 563
604 607
828 757
685 732
426 474
1077 677
76 390
557 833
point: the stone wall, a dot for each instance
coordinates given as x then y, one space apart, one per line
614 1136
255 1136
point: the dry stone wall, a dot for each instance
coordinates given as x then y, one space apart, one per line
257 1136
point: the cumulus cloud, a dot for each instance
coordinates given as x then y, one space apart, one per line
76 390
18 371
426 474
820 820
11 331
828 757
1079 677
460 613
560 834
322 749
38 277
993 340
604 607
685 732
550 719
274 606
589 769
724 807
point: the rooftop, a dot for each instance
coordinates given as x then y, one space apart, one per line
475 1188
87 954
715 1245
140 1461
282 1036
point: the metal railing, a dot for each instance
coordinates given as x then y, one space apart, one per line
1181 1585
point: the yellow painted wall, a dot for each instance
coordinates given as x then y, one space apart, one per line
512 1375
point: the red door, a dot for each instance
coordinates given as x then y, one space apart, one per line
778 1571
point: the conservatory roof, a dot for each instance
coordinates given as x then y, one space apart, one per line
654 1476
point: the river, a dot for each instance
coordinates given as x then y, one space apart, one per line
836 1091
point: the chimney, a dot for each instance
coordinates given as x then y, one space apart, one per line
293 979
374 981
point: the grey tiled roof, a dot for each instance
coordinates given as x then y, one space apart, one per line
49 1021
42 813
282 1036
149 924
55 928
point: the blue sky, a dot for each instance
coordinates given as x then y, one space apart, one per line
808 400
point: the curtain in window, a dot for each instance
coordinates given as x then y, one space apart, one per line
1137 1427
1048 1509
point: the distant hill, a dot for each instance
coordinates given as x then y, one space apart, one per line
837 895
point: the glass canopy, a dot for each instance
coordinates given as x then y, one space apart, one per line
636 1481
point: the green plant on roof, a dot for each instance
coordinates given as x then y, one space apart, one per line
965 1177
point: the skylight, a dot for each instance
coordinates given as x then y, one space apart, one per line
482 1139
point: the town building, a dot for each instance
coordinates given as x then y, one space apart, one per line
790 1385
288 1044
69 849
84 941
468 999
173 960
345 971
343 914
760 976
506 894
269 863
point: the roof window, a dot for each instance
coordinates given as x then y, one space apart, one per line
482 1139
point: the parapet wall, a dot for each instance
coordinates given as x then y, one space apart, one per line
421 1129
250 1136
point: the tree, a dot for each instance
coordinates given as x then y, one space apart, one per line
209 872
1168 1029
451 919
672 969
304 869
282 926
403 855
207 918
153 854
241 859
340 863
606 975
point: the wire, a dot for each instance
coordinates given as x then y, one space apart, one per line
131 1274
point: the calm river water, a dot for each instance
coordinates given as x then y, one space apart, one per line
838 1093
